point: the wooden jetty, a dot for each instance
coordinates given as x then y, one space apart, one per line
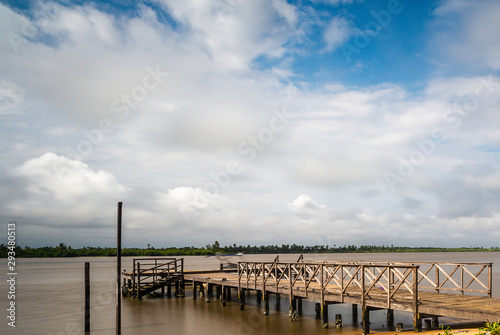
426 289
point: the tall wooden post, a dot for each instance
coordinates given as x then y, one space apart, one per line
194 290
87 298
118 271
417 321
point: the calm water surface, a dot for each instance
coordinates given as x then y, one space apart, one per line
50 300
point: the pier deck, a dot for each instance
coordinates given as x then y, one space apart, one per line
428 290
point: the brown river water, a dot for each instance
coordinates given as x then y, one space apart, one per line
50 300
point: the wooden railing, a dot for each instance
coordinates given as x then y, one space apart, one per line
458 277
383 279
151 270
332 278
446 276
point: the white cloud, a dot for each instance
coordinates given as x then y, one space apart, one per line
338 31
324 171
472 39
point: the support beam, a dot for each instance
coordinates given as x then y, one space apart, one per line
241 298
278 301
338 320
365 320
224 295
435 321
299 306
194 290
317 309
228 293
210 292
266 303
324 315
169 290
390 318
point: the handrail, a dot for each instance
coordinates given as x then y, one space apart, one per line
154 272
391 279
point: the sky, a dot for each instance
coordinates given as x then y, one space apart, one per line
314 122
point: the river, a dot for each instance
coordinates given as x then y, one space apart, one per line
50 300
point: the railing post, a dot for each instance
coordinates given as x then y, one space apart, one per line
490 280
437 278
139 297
390 279
133 275
462 279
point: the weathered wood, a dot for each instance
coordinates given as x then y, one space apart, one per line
324 315
390 317
417 321
266 303
119 271
87 298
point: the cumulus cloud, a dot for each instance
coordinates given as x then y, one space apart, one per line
472 38
159 148
338 31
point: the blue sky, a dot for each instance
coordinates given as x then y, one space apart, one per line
315 122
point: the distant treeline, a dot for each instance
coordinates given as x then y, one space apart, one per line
66 251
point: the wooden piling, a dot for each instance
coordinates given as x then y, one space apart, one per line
194 290
324 315
338 320
390 317
87 297
224 294
119 271
266 303
210 292
317 309
299 306
241 298
365 320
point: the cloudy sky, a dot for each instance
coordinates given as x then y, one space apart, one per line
251 122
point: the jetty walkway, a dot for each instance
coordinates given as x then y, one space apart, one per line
428 290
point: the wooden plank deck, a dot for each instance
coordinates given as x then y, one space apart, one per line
476 308
426 289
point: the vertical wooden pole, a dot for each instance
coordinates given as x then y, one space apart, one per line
266 303
210 292
139 296
118 271
417 321
241 298
194 290
390 318
462 280
490 279
437 278
299 306
87 298
278 301
365 312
